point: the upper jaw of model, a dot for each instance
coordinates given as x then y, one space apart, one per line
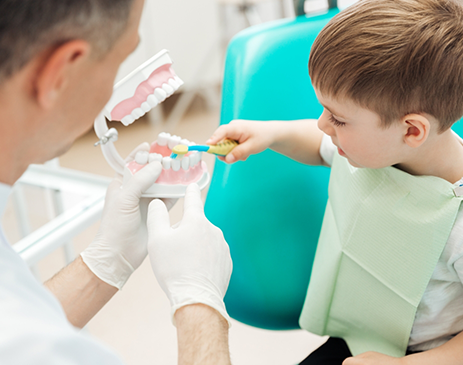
176 173
143 89
161 84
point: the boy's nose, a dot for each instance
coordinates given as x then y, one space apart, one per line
325 126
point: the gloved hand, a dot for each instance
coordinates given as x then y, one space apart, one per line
192 260
120 245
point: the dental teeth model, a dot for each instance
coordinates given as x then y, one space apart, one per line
134 96
176 174
143 89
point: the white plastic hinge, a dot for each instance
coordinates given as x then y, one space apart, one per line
110 135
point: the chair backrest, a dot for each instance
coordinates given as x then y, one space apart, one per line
270 208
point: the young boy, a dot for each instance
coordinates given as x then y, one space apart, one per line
388 272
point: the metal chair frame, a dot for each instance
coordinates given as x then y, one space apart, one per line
299 6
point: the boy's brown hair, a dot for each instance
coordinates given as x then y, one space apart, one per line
394 57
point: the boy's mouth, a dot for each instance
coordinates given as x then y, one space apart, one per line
341 152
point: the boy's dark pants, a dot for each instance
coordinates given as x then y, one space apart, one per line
332 352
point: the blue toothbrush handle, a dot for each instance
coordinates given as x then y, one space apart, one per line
200 148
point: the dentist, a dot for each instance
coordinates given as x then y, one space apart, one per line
58 61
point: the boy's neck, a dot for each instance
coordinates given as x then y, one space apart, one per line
441 156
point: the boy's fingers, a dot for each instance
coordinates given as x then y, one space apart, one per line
232 131
240 152
218 135
230 158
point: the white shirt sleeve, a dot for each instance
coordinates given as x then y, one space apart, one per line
440 313
327 150
34 329
59 347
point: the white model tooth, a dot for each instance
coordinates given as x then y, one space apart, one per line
175 164
166 162
192 144
192 159
186 163
178 80
197 158
168 89
185 142
173 141
138 113
174 84
142 157
155 157
152 101
160 94
128 119
145 107
163 138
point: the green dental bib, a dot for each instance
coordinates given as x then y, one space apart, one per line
382 235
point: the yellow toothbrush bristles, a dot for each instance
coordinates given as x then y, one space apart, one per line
180 149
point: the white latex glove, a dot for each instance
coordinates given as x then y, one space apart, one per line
120 245
192 260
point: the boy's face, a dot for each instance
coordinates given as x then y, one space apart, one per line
358 134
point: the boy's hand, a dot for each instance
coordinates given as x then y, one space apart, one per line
254 137
373 358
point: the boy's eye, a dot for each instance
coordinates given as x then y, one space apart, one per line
336 122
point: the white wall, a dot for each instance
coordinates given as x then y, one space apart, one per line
190 29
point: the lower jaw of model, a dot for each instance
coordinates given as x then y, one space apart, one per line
176 174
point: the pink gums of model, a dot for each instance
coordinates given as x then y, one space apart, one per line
157 78
169 176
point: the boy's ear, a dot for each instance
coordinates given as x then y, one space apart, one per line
58 67
417 128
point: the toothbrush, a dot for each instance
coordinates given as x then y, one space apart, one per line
221 149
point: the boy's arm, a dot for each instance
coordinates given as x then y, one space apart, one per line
299 140
450 353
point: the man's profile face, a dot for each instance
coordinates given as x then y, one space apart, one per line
88 92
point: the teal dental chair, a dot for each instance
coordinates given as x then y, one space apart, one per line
270 208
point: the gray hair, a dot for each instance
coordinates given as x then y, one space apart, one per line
28 27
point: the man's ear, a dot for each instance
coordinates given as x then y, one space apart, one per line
417 128
58 67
